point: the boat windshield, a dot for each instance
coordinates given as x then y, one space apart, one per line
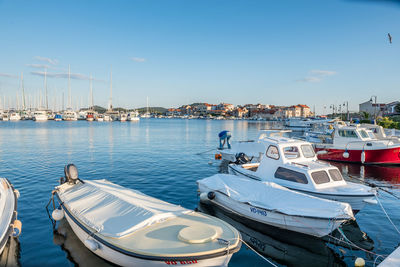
308 151
292 176
335 175
320 177
291 152
363 134
348 133
371 135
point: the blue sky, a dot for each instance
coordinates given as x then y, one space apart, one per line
177 52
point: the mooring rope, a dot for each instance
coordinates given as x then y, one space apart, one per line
390 220
255 251
264 258
205 151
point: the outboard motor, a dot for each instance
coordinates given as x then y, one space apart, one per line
71 173
242 158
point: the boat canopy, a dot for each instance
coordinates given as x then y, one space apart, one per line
113 210
273 197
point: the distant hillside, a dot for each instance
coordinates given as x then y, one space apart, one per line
159 110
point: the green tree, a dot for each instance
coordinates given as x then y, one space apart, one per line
365 115
397 108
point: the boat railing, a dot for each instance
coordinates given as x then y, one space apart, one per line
300 164
366 143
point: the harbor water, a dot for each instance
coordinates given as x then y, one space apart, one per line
163 158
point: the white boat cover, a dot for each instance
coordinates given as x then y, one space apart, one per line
113 210
271 196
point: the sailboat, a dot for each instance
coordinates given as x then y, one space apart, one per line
147 114
110 115
90 113
41 114
69 114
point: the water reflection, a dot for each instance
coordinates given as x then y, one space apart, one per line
77 253
284 247
11 253
390 174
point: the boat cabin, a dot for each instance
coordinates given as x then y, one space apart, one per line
294 164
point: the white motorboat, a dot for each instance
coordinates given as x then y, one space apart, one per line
355 143
252 148
90 115
5 117
271 204
293 164
129 228
40 115
100 117
107 117
14 116
123 117
133 116
70 115
9 225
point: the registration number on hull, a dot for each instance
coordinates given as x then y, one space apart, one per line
258 211
180 262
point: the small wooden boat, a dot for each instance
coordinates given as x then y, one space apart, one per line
270 204
9 225
129 228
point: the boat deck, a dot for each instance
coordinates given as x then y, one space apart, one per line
167 238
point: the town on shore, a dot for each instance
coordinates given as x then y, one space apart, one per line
262 112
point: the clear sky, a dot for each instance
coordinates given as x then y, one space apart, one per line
177 52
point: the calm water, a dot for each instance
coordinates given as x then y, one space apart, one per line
158 157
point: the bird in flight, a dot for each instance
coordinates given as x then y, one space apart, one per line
390 38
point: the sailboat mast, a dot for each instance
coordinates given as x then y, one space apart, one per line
91 92
147 106
69 87
23 91
111 90
45 88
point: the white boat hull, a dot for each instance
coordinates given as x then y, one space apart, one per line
314 226
8 205
121 259
357 202
40 118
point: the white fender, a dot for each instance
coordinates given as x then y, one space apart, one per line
362 157
91 244
57 214
346 155
204 197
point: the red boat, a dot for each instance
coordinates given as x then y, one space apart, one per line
358 144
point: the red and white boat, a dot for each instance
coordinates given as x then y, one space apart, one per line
355 143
